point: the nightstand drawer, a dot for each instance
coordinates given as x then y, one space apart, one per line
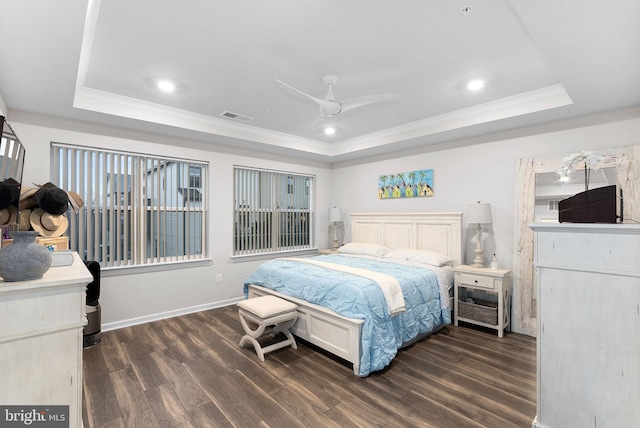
476 281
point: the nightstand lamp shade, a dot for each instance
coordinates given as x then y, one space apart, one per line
335 218
335 215
479 214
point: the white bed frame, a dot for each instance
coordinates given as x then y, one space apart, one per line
440 232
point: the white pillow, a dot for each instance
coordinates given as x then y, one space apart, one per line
364 249
420 256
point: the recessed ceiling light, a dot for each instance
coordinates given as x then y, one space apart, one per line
475 85
329 130
166 86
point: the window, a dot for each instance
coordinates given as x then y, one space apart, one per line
272 211
195 177
138 210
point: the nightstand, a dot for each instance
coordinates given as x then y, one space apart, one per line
482 296
328 251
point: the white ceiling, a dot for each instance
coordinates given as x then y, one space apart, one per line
98 61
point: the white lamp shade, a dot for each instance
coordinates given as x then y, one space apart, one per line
335 215
479 213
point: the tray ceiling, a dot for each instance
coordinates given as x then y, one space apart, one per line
99 61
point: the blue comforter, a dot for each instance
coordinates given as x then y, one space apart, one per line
358 297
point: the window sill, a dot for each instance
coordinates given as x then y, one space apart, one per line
274 255
153 267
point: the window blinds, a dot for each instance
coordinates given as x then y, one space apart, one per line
139 209
272 211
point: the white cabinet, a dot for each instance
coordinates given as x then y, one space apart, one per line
41 325
588 325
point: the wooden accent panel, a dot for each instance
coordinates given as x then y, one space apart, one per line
58 243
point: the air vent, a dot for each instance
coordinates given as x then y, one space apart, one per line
553 205
236 116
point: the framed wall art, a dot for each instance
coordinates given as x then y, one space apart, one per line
412 184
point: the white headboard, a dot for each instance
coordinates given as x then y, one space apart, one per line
439 232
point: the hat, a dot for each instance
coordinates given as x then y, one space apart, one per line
52 199
8 215
24 220
27 198
8 194
75 200
47 224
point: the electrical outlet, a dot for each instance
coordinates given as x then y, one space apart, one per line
219 277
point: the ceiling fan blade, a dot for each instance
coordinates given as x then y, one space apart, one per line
318 120
369 99
292 89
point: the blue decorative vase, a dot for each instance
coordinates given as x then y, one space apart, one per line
24 259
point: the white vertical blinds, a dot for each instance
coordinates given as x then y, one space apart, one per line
272 211
139 209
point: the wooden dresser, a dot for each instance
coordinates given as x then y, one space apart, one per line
588 325
41 324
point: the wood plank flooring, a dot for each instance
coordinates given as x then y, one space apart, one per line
188 371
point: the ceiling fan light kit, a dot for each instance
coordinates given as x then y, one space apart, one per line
329 130
166 86
475 85
329 107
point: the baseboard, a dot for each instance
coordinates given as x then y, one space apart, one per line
169 314
536 424
526 331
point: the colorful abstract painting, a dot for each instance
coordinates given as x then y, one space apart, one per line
412 184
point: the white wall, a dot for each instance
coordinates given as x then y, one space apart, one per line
133 298
482 171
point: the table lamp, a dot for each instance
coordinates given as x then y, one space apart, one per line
335 217
479 214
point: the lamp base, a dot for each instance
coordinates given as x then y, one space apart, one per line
478 262
336 235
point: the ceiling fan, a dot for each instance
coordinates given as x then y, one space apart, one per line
329 107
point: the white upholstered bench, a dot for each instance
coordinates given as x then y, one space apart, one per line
267 311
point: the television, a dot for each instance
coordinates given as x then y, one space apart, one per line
600 205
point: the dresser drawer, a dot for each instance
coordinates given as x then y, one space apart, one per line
476 281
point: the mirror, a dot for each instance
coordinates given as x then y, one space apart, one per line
537 194
11 166
550 190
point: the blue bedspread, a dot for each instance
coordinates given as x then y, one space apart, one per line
361 298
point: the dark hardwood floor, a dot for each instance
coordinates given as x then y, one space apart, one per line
188 371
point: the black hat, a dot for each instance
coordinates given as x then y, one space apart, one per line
8 194
52 199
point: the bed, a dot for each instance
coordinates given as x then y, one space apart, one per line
369 337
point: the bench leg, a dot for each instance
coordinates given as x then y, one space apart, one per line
251 336
284 329
247 339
